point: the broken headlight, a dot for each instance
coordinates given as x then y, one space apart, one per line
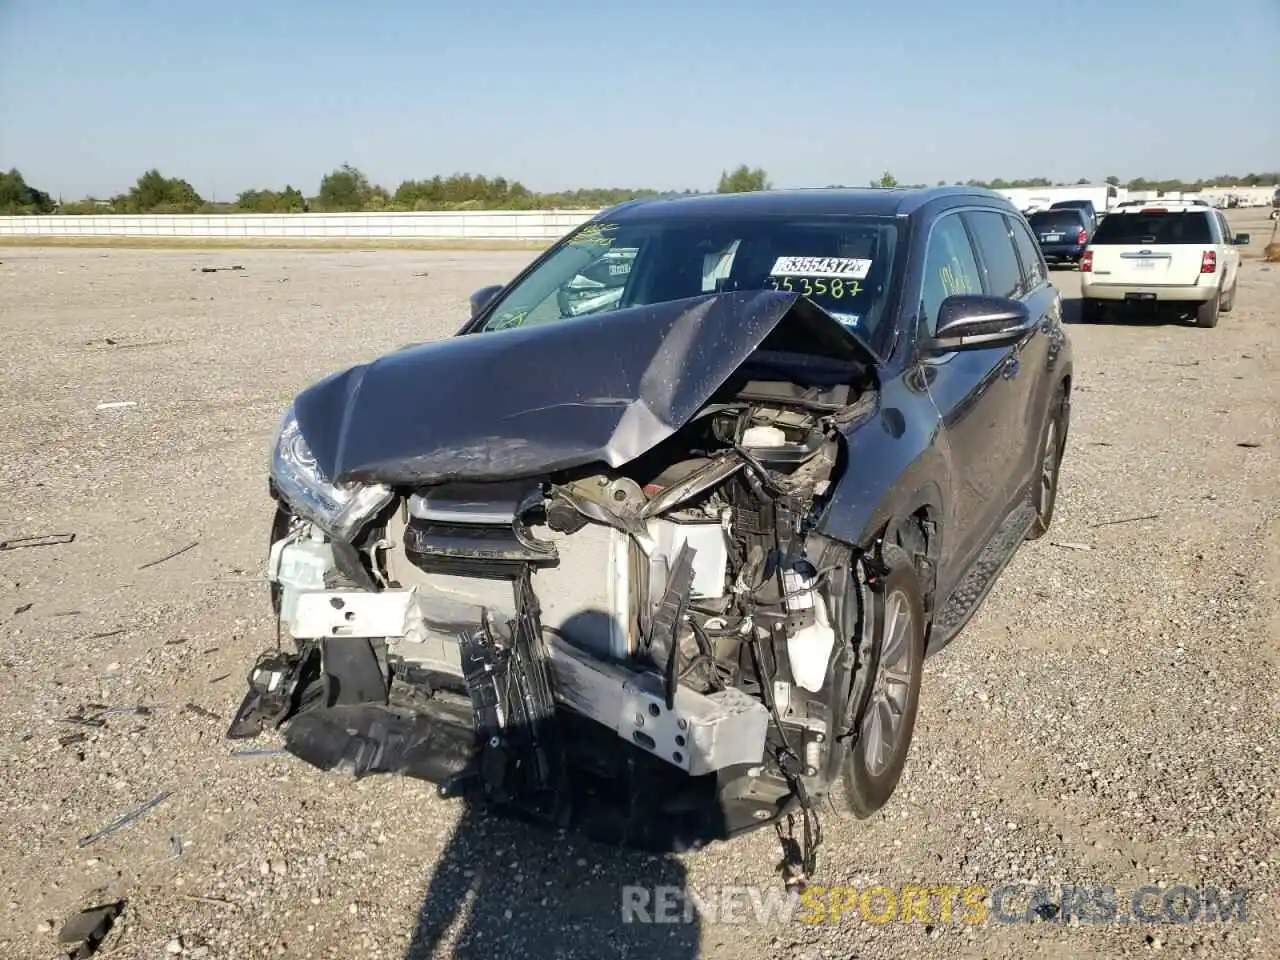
340 509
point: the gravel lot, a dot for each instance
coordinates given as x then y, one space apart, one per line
1109 716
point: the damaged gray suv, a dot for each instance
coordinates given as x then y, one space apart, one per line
664 565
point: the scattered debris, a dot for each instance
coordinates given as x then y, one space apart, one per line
39 540
122 821
104 634
138 711
67 739
23 609
217 269
95 714
1108 523
84 932
169 556
1067 545
267 752
175 844
422 274
174 643
200 711
1249 443
111 342
220 677
116 404
219 901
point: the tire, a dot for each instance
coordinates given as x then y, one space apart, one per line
1229 301
1090 310
1053 441
869 776
1207 312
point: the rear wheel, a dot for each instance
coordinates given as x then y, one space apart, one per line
1229 301
1044 495
873 765
1207 312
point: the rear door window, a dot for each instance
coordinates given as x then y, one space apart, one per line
1155 227
1000 264
1033 270
1224 228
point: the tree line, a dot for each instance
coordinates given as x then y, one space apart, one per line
347 189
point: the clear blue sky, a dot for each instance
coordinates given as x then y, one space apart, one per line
559 93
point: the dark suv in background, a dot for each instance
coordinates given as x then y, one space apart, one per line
1062 233
1084 206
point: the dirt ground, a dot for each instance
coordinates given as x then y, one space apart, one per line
1109 717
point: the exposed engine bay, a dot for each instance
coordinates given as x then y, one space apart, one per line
664 652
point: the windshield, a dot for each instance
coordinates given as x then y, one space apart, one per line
1154 228
843 264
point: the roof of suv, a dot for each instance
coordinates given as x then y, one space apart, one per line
1166 206
824 201
1078 213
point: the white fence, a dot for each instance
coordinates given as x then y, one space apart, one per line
473 225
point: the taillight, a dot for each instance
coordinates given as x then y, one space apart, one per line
1086 262
1208 261
1082 237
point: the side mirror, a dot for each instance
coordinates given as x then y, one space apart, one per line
975 321
483 297
1242 239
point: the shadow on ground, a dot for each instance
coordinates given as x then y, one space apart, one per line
1126 316
505 890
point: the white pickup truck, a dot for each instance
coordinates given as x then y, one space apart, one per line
1177 252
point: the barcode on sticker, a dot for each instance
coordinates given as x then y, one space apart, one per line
845 267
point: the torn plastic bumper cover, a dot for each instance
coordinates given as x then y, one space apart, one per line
333 690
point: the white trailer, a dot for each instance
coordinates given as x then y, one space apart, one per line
1104 196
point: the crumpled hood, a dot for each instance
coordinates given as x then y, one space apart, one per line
532 400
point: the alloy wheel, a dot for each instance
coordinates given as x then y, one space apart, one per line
1049 468
882 724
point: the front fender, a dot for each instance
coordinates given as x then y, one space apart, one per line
893 466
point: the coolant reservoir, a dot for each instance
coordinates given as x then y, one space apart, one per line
809 648
763 436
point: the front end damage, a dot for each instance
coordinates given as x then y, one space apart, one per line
658 648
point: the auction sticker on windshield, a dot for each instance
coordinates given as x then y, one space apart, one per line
848 268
